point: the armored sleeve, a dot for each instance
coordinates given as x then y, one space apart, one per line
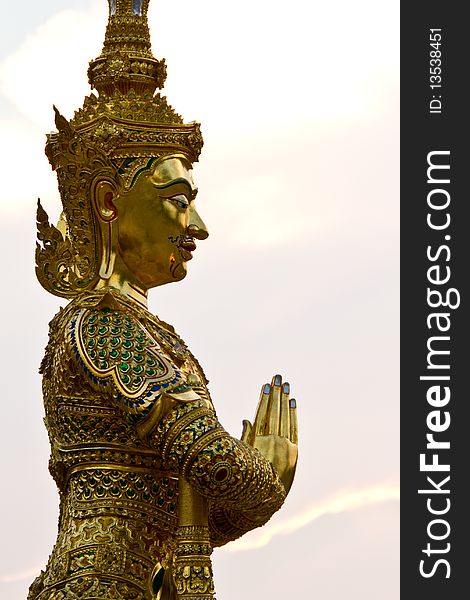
240 484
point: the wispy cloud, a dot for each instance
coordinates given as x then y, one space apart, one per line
22 575
50 66
343 502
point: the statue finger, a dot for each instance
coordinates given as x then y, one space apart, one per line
274 409
294 433
284 425
247 427
259 424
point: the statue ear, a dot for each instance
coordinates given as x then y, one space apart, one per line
104 192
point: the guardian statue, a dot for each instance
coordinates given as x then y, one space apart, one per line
149 480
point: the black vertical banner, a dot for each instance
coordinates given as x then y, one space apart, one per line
435 268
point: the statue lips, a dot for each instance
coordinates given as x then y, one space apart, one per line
185 247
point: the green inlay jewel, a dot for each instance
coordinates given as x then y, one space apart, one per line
103 330
150 372
138 358
92 318
115 341
113 353
92 354
127 344
91 343
125 355
91 330
138 369
128 334
139 347
102 341
124 367
150 362
137 381
126 379
104 364
102 353
115 330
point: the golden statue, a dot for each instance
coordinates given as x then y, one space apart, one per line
149 481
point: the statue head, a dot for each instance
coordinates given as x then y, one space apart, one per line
123 165
149 231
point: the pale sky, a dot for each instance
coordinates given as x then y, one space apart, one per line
298 183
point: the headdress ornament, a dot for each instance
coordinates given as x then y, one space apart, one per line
113 136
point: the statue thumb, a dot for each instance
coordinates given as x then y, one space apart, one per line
247 426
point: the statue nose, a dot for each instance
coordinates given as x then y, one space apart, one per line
197 232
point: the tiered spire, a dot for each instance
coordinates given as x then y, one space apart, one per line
126 61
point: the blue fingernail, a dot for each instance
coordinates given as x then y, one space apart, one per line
292 403
267 388
286 388
277 380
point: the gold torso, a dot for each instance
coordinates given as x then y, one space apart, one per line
118 510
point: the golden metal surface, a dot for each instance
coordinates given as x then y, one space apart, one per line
149 480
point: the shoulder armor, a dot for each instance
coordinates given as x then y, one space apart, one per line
116 351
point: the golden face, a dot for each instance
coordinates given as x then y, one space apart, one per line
157 224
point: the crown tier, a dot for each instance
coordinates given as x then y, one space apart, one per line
126 61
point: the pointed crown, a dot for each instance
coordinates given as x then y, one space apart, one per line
116 134
126 118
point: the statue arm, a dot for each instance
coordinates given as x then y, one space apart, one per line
244 481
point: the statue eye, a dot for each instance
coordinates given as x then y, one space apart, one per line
181 201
